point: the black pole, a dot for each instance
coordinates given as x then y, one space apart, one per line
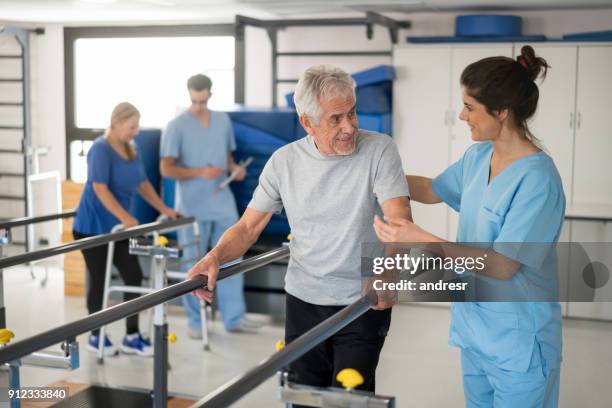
40 341
160 367
93 241
235 389
18 222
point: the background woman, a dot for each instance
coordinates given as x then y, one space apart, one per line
114 175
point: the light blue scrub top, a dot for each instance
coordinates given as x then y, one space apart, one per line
525 203
193 145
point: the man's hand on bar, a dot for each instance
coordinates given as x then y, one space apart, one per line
209 267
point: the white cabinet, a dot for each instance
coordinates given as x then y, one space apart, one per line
554 121
593 147
420 120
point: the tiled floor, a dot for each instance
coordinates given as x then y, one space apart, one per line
417 366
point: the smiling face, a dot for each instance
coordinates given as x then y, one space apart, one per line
127 130
336 132
483 125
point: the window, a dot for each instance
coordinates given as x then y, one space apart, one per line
146 66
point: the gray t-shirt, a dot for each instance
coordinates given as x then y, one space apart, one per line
330 203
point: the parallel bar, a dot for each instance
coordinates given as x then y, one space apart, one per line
287 81
11 127
40 341
11 80
11 103
11 151
18 222
11 175
92 242
10 197
235 389
334 54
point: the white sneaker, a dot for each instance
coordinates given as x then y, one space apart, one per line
194 333
246 325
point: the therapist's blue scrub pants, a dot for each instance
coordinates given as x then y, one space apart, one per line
486 385
230 292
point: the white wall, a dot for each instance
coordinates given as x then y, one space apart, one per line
48 102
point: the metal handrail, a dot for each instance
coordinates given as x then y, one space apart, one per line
90 242
71 330
19 222
236 388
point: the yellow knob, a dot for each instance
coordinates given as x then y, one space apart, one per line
349 378
162 241
5 336
172 337
280 345
289 237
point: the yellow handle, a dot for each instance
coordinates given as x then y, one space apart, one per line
280 345
172 338
5 336
349 378
162 241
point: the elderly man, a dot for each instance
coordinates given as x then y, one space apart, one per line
331 183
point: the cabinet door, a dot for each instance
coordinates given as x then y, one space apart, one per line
460 136
592 175
597 239
554 120
420 104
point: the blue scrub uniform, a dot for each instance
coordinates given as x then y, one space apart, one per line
193 145
511 351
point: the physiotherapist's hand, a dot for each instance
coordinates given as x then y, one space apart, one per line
209 267
211 172
129 221
241 173
397 230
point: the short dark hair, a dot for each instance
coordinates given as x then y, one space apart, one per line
199 82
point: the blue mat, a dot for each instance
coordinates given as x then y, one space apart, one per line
592 36
147 142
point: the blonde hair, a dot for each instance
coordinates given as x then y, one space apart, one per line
121 113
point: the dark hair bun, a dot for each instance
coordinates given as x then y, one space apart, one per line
534 65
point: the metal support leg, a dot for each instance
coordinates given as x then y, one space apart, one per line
110 254
160 342
14 384
204 327
160 367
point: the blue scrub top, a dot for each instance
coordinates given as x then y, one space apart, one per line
193 145
123 177
525 203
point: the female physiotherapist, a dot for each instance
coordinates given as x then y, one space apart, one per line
506 190
114 175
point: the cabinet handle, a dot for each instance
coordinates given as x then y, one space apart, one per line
571 122
578 120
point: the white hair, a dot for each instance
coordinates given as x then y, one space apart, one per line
321 82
